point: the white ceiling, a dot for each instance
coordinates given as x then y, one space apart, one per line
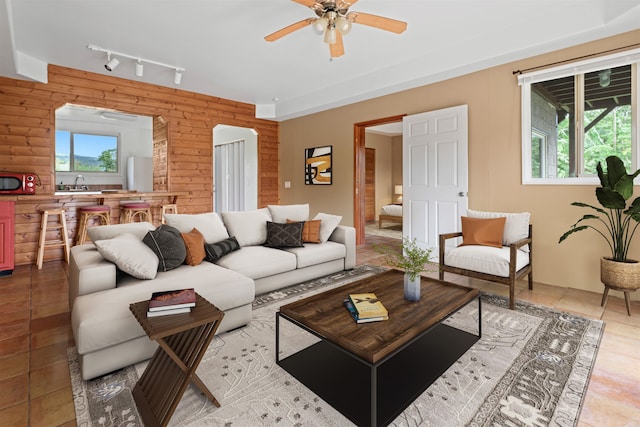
221 43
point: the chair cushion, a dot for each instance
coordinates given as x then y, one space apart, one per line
479 231
317 254
484 259
516 226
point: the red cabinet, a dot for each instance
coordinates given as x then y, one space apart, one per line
6 237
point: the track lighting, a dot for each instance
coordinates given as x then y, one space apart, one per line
113 62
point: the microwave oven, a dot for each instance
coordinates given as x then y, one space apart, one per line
18 183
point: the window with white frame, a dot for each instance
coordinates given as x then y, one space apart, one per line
82 152
577 115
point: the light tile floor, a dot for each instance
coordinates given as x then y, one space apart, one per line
35 387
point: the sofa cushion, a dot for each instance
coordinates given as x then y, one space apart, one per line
102 319
310 230
248 227
280 213
209 224
259 261
194 242
104 232
317 254
166 242
215 251
482 231
130 255
484 259
284 235
516 226
328 224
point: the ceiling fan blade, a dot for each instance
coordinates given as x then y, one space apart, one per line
308 3
289 29
337 48
376 21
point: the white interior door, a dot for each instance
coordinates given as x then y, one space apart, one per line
435 174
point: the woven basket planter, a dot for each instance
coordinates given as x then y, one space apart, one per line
620 275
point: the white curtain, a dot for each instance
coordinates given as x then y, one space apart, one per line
229 176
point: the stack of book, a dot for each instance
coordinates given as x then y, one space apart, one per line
366 308
171 302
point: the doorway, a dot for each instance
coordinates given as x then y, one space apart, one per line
360 184
235 166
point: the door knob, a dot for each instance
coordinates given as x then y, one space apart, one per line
461 194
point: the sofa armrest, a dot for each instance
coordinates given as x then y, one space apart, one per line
347 236
89 272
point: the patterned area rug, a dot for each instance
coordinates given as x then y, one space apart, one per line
531 368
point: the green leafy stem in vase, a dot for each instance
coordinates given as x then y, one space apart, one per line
410 257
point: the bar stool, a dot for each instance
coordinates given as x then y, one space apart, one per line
129 212
60 227
87 213
168 209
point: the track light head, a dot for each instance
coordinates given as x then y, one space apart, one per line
139 68
178 77
112 63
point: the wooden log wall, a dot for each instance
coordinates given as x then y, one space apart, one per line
27 132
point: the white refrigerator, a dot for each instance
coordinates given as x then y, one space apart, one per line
140 174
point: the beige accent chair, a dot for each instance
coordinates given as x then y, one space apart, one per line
505 265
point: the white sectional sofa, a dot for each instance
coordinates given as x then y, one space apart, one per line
107 335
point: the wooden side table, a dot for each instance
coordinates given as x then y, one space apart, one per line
183 339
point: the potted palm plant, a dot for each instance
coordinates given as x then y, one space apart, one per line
411 258
616 221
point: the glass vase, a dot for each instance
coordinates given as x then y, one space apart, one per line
411 288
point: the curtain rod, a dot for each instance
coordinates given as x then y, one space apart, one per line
591 55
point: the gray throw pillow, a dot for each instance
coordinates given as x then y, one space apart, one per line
168 245
284 235
215 251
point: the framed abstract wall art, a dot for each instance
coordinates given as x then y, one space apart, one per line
317 165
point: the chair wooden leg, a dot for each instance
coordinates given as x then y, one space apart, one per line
512 294
531 280
627 300
605 296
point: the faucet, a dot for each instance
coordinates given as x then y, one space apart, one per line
75 183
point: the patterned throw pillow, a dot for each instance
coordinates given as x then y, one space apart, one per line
217 250
166 242
284 235
310 230
194 242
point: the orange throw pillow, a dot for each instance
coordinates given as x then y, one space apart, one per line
310 230
194 242
480 231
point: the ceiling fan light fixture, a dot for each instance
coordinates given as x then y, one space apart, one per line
321 24
343 25
330 36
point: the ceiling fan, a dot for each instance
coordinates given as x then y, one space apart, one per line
334 20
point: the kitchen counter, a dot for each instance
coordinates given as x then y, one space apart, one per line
98 196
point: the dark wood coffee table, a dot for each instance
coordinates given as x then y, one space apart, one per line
183 339
371 372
